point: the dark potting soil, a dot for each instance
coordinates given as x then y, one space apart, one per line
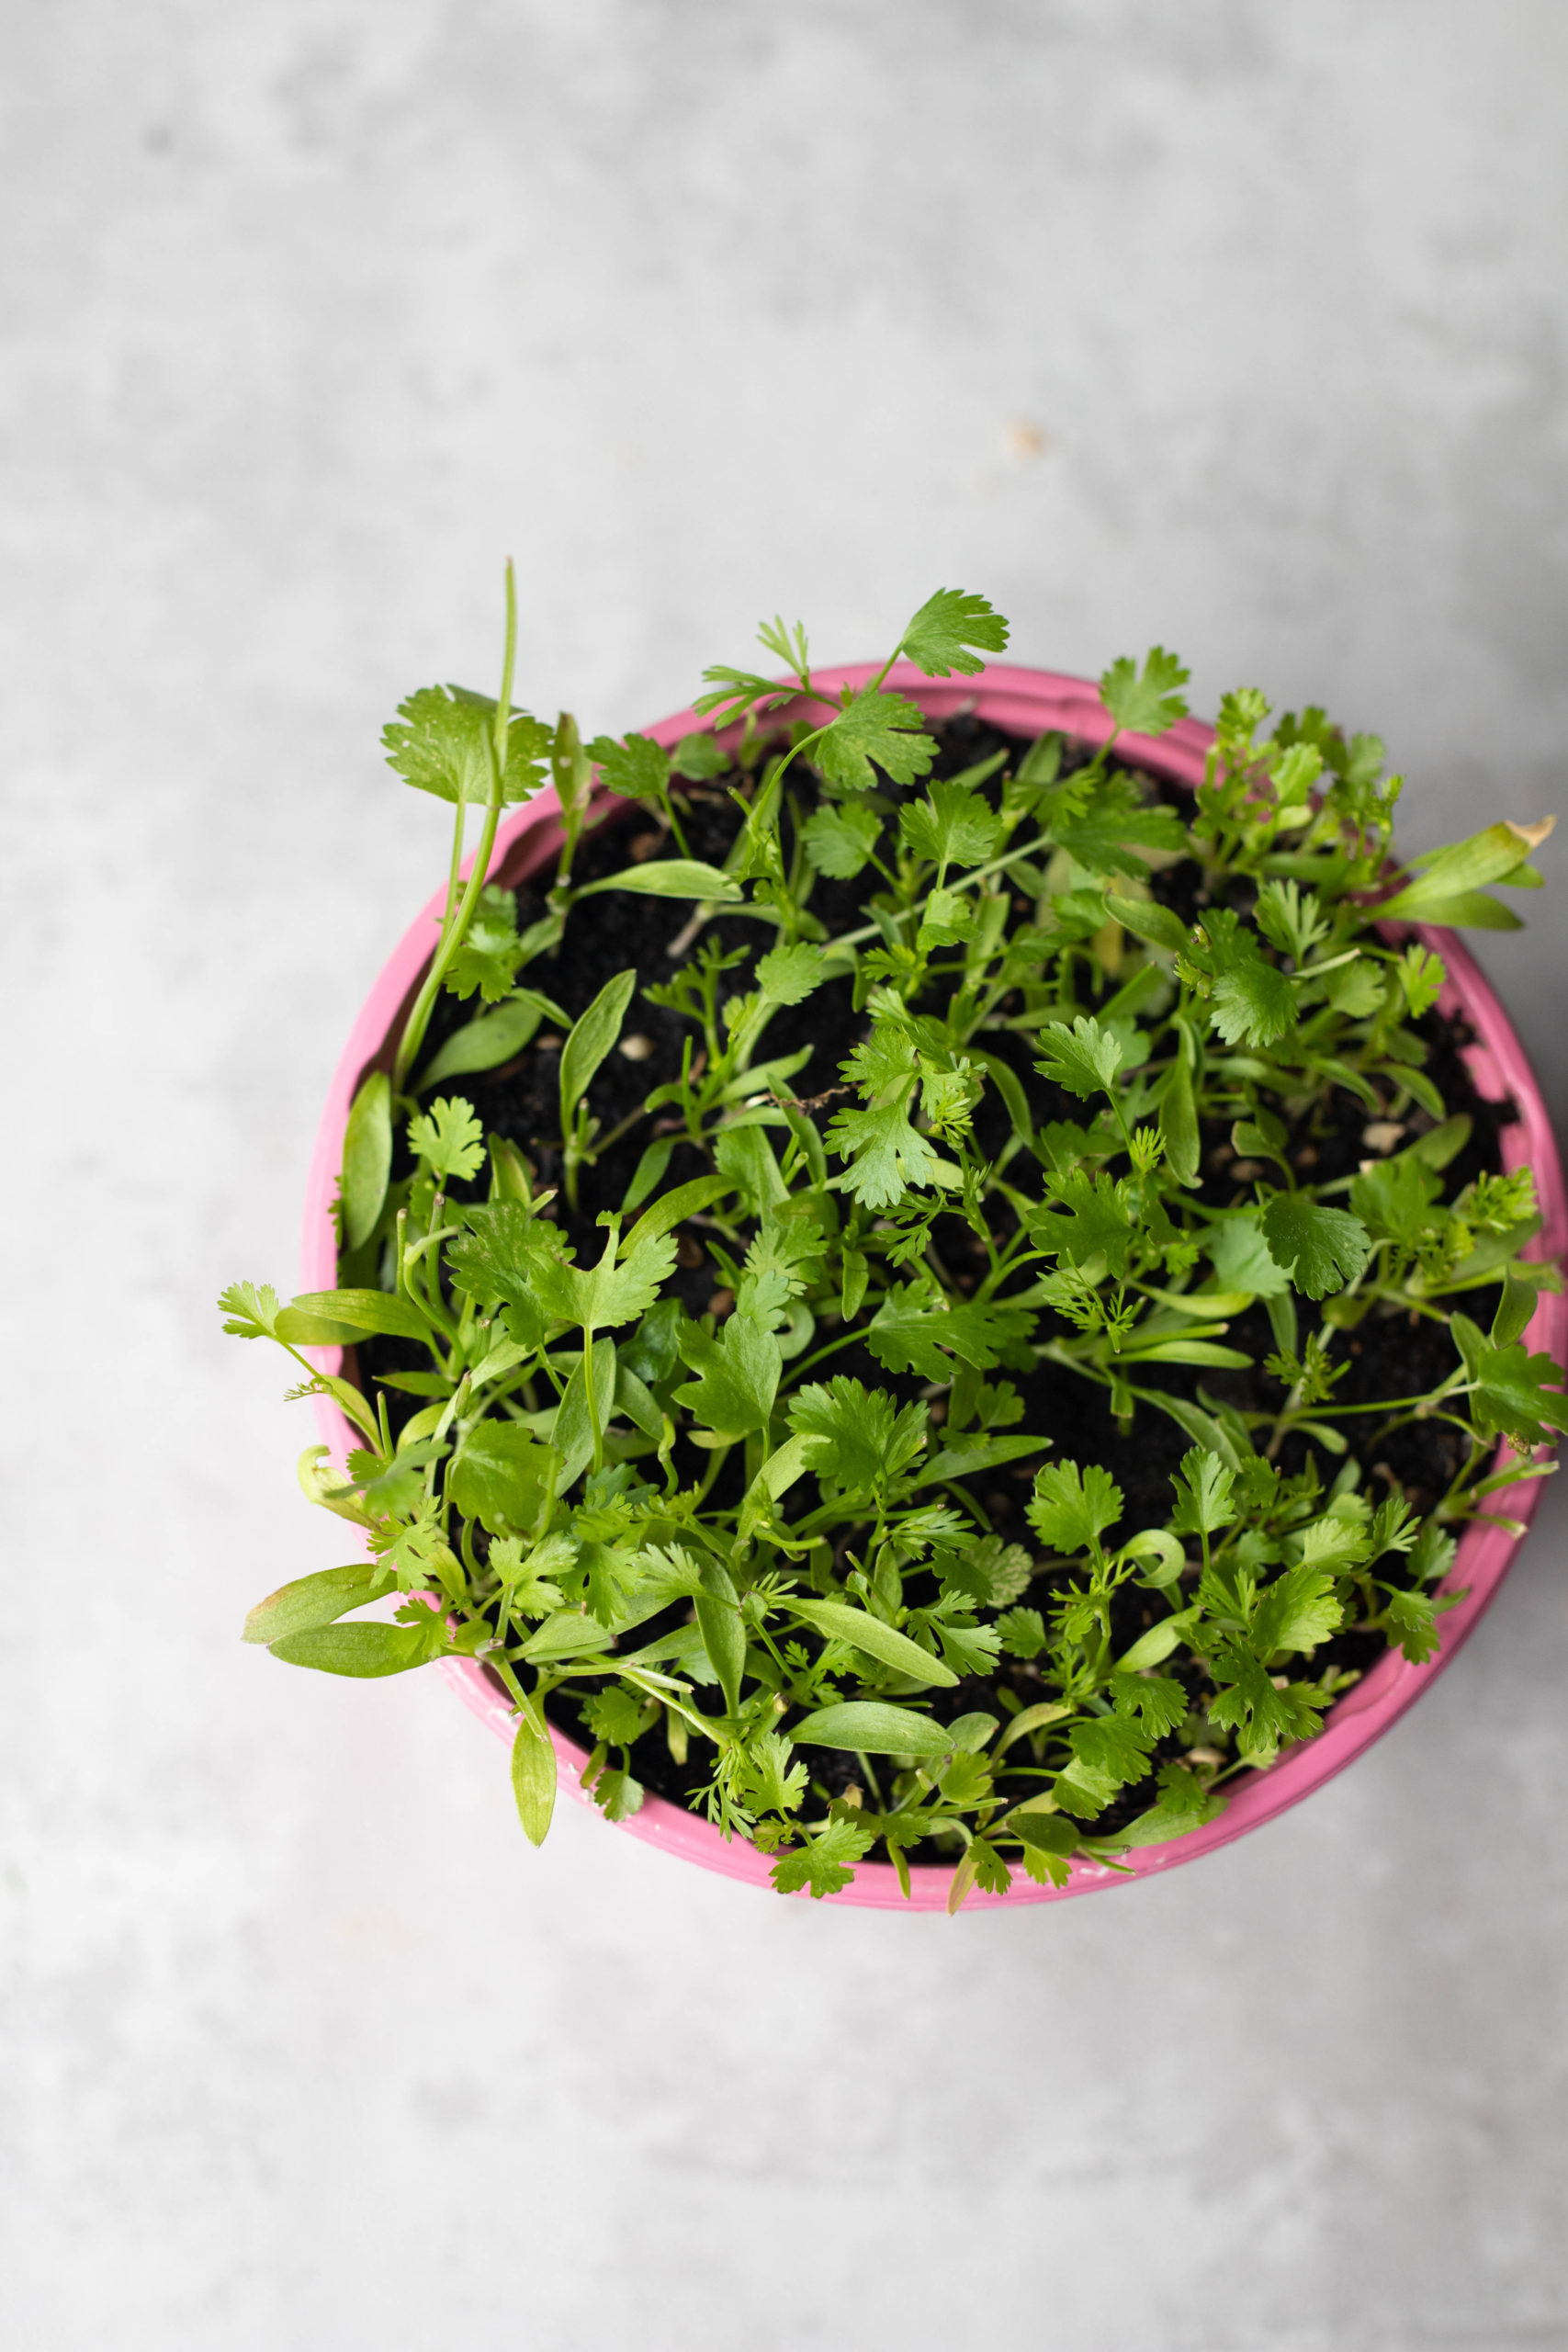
1387 1356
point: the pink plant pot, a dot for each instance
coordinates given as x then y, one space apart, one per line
1024 702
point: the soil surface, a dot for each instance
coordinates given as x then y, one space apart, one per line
1388 1356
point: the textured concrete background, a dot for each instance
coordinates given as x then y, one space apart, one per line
1235 323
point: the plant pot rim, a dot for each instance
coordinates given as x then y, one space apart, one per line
1026 702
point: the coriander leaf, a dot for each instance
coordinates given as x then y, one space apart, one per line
1147 701
1413 1621
867 1438
952 826
1321 1249
615 1715
937 638
1263 1716
1203 1494
1510 1395
699 757
490 951
1096 827
1252 1004
636 766
1296 1611
918 1328
443 746
600 1297
1072 1508
738 1376
888 1157
1094 1215
824 1863
503 1254
874 726
1240 1256
771 1783
480 1044
1022 1632
251 1312
502 1477
1084 1058
447 1139
788 975
839 841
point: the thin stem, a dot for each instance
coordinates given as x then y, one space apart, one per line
454 931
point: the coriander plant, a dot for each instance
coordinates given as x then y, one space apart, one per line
986 1454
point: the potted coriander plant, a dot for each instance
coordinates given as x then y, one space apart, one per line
933 1283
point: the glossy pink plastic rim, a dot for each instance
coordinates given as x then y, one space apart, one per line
1024 702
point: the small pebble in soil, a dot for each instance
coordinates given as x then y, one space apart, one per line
637 1048
550 1043
721 1302
1383 1135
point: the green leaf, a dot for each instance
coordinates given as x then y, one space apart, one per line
872 725
824 1863
443 746
1297 1612
952 826
485 1043
600 1298
250 1312
1178 1125
864 1438
1451 877
1093 1216
888 1156
1147 701
738 1376
313 1600
870 1727
364 1651
939 638
1084 1058
1240 1256
487 956
1321 1249
1203 1494
717 1611
592 1038
448 1139
639 767
1072 1508
502 1477
572 1435
842 1623
534 1780
1413 1621
668 878
699 757
839 841
1252 1004
672 1209
789 974
366 1158
1510 1395
1149 921
918 1328
365 1310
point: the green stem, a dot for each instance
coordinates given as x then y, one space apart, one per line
454 931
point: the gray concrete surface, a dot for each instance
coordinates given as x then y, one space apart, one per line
1237 324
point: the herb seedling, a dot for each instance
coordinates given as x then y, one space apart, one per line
1102 1041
